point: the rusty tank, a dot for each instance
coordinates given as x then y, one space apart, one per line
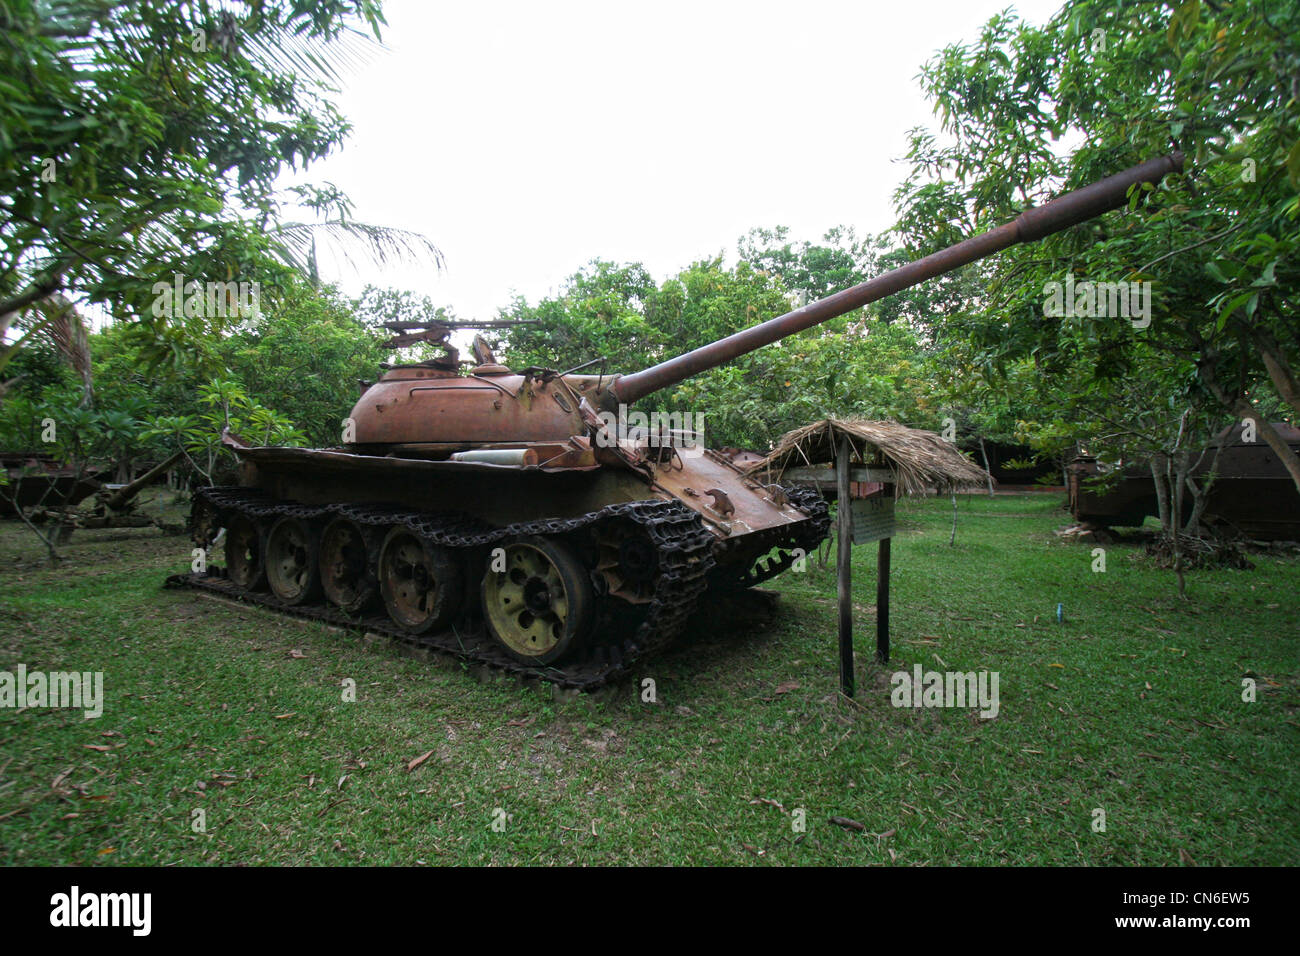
1252 495
529 519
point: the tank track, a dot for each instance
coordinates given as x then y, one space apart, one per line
806 538
683 545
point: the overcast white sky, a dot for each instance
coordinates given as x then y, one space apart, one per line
525 139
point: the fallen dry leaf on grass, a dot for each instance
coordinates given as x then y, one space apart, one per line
848 824
415 762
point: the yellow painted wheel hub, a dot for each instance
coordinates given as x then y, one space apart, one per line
537 599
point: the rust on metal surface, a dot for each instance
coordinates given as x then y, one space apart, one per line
46 483
409 405
1252 494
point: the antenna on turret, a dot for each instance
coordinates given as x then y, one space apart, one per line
438 332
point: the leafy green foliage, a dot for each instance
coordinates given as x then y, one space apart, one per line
815 270
289 377
136 138
863 364
113 433
618 313
1126 81
303 357
223 405
306 359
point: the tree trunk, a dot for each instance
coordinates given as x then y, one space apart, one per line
1278 368
1201 496
1162 492
1177 475
119 498
987 474
56 536
9 308
1266 431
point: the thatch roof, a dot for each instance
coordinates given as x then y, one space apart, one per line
921 459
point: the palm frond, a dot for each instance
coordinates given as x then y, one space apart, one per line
382 245
330 58
58 320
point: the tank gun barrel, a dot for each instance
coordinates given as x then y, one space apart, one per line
1031 225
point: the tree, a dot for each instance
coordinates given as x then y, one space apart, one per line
853 365
304 357
143 140
224 404
601 312
63 437
1215 248
306 360
813 271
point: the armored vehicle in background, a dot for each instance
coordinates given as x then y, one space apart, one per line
1252 495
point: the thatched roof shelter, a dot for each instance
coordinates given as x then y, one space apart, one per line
922 460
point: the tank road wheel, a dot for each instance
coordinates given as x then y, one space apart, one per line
627 560
244 564
419 581
345 566
292 550
541 606
205 523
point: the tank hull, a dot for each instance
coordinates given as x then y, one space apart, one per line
641 539
1252 494
501 494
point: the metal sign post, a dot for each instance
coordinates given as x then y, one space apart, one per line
882 602
859 521
873 520
843 566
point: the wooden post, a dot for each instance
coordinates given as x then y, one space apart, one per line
882 602
844 560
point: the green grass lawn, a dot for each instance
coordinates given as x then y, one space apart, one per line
1133 705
